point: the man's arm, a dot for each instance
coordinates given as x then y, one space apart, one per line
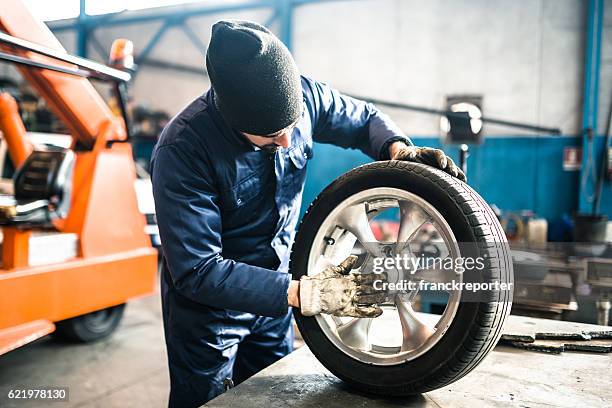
293 293
189 222
348 122
351 123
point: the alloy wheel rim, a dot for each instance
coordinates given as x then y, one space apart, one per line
347 230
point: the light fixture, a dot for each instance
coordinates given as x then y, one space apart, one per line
462 123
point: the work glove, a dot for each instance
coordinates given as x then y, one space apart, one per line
431 157
337 292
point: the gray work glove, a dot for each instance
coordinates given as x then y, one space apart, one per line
337 292
431 157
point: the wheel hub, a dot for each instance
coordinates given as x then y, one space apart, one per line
401 333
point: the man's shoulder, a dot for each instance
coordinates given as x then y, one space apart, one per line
184 137
312 92
308 87
182 127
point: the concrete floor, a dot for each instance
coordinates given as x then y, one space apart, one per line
129 369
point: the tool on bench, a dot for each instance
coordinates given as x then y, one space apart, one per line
556 343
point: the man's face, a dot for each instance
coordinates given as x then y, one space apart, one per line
272 142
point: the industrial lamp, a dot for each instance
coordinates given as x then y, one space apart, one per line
462 122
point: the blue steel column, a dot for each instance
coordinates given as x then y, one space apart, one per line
285 14
82 30
589 111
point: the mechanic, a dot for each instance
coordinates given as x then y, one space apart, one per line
228 174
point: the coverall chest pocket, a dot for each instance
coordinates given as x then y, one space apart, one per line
242 194
300 155
293 181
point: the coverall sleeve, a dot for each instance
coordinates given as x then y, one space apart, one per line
189 220
350 123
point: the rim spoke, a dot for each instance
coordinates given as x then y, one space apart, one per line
445 238
355 333
412 218
444 252
410 296
414 331
337 320
355 220
434 275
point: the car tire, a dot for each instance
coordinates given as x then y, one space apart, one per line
476 327
90 327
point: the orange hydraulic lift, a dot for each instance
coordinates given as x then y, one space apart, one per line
114 260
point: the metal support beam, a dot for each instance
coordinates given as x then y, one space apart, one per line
592 66
285 13
171 66
98 47
193 37
82 30
162 13
85 25
153 41
123 18
272 18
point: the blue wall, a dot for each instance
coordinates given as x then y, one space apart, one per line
514 173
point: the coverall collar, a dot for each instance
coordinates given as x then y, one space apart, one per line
231 133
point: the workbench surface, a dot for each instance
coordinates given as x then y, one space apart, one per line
507 377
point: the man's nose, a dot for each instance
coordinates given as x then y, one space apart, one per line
283 140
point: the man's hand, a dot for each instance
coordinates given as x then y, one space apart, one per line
425 155
337 292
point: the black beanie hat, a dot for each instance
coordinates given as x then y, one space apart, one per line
254 77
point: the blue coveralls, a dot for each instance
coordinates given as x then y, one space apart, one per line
227 213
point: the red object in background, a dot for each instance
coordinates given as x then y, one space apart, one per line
572 158
385 230
376 229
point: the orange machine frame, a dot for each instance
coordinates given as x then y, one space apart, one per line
115 259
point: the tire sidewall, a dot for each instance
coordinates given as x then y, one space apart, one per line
416 375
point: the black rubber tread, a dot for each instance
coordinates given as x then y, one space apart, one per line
485 319
76 329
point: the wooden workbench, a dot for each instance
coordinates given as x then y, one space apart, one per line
507 377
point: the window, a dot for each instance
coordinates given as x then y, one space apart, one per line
60 9
53 10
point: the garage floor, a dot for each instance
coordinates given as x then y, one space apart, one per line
128 369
